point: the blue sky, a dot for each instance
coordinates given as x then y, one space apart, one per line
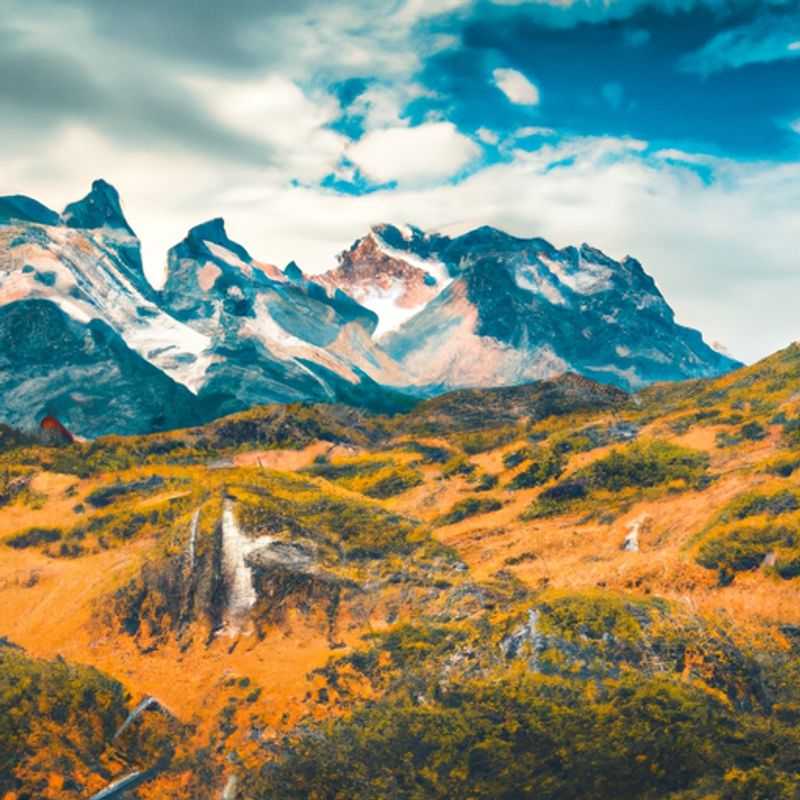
669 130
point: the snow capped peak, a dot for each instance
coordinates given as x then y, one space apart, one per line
100 208
391 271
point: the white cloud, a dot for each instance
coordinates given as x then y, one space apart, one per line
381 104
415 156
487 136
794 46
414 10
533 130
767 38
516 87
275 110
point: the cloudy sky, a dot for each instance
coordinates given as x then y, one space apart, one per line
668 130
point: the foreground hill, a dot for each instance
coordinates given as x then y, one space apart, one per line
404 316
556 590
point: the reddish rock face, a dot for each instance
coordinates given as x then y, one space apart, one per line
384 282
53 427
366 266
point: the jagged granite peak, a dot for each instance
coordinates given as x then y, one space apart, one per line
394 272
213 231
100 208
293 272
275 336
84 375
403 310
521 310
20 208
409 238
96 274
101 211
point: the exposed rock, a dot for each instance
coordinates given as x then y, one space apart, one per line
522 310
525 636
236 572
55 431
120 787
231 790
82 375
770 559
635 527
147 704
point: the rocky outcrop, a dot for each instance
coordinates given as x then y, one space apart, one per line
232 582
394 283
635 527
593 638
83 375
119 788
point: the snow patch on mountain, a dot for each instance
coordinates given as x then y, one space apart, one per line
228 257
585 278
81 273
539 281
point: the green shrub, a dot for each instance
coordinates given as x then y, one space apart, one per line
546 465
516 737
752 504
516 457
378 478
646 464
482 440
469 507
458 465
744 548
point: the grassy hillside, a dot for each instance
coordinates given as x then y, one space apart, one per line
549 591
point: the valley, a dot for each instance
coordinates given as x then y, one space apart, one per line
277 570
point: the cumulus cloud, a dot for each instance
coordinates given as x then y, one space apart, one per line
274 110
715 246
516 87
420 155
227 109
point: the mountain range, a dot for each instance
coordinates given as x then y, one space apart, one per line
406 314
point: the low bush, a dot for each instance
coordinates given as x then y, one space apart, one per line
33 537
469 507
638 466
647 464
744 548
545 466
518 737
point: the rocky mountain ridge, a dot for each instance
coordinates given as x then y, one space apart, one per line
406 314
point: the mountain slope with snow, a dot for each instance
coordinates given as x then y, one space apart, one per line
275 336
391 272
522 310
405 313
